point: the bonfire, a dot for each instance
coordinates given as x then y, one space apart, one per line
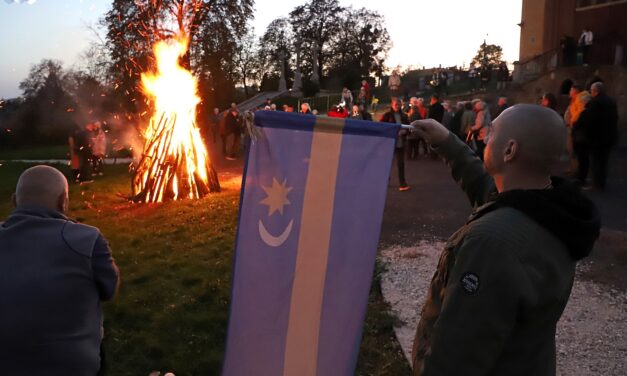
175 163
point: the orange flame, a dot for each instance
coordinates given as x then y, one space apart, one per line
175 161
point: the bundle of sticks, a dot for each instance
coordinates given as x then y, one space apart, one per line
171 172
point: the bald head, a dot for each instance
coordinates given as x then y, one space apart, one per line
42 186
529 137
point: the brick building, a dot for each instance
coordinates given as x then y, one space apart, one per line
544 24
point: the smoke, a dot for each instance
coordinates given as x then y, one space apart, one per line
29 2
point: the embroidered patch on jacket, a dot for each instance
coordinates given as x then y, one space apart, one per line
470 282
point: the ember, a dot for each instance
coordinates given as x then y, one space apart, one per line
175 163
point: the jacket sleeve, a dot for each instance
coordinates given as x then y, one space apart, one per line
106 273
479 311
467 170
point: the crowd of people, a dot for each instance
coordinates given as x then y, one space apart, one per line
591 119
88 147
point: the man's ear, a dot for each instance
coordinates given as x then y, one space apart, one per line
14 200
511 151
62 203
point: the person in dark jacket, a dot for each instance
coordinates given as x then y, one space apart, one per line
395 115
436 111
505 277
456 123
501 106
604 134
549 100
232 125
55 272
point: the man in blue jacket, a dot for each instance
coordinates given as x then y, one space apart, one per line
53 275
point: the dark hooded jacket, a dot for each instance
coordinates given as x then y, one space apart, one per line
504 278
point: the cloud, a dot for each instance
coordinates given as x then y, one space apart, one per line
29 2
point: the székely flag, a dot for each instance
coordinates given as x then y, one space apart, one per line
312 203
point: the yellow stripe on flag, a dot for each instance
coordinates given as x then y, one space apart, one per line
301 349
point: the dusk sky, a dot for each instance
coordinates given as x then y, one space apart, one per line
424 32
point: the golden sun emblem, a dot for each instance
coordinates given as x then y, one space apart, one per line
276 197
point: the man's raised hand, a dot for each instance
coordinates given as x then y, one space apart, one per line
431 131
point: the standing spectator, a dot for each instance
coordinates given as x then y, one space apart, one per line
413 138
502 76
443 82
99 147
501 105
473 76
568 47
468 119
214 124
435 81
505 277
55 274
447 119
362 97
347 98
365 86
485 75
421 107
232 127
74 152
585 44
456 123
395 115
604 133
394 83
482 125
374 104
575 108
366 115
436 110
549 100
82 149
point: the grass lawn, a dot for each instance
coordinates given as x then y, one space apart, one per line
175 260
47 152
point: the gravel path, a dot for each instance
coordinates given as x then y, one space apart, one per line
591 335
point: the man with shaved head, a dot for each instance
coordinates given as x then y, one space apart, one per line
53 275
504 278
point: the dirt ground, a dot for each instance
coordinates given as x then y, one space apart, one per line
435 207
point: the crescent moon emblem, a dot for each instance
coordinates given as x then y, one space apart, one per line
274 241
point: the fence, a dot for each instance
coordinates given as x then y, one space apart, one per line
322 104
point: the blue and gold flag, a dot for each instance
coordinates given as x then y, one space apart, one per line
312 202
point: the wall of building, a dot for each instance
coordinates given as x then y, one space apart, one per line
546 22
532 28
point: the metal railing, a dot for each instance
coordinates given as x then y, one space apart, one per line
322 103
536 66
